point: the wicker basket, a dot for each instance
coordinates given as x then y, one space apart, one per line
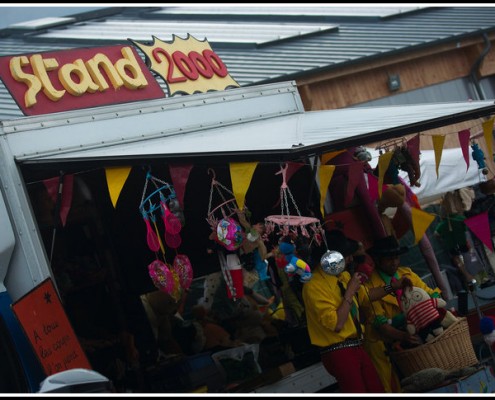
453 349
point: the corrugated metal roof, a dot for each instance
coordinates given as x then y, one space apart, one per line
355 38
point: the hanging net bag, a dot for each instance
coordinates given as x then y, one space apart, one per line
221 217
286 224
154 207
228 233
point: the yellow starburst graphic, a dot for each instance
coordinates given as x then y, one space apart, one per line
186 65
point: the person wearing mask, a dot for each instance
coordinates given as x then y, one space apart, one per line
386 324
332 298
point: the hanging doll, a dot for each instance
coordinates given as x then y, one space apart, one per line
294 265
425 316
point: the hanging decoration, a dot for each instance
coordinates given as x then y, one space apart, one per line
221 217
116 178
405 157
464 137
479 157
286 224
157 206
227 232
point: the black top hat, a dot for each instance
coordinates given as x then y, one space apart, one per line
337 241
387 247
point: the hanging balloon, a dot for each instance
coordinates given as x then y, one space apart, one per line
173 241
151 237
171 222
229 234
332 262
161 276
184 269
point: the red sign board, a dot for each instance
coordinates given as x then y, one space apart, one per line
43 83
47 327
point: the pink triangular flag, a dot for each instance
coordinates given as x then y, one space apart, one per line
180 176
52 186
464 137
480 226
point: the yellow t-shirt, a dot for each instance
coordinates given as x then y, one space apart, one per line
322 297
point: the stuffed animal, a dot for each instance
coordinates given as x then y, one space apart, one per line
425 316
294 265
487 328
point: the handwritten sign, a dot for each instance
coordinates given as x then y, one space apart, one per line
47 327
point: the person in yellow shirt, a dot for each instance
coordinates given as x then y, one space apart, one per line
332 298
385 328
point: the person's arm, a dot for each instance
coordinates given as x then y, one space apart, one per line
376 293
345 307
394 334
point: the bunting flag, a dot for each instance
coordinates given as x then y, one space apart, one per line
325 173
63 187
421 220
180 175
438 141
116 178
480 226
488 134
241 175
292 168
326 157
464 138
413 147
383 163
354 175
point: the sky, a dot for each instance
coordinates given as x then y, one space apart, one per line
12 13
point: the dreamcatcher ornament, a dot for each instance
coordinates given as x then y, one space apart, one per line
286 224
228 233
158 205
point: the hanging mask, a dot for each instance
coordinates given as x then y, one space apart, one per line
332 262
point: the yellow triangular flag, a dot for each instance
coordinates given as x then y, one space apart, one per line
325 174
241 175
383 163
487 132
421 220
328 156
116 177
438 148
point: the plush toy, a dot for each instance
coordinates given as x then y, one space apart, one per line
294 264
479 157
425 316
487 328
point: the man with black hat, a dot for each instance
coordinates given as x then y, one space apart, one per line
386 322
332 299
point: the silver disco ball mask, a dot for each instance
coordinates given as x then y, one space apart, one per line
332 262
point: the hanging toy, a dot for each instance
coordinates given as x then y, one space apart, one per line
294 265
479 157
184 270
228 231
294 225
149 210
229 234
161 276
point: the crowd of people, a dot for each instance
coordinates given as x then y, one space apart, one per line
347 297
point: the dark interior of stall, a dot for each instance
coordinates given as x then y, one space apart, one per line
146 340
